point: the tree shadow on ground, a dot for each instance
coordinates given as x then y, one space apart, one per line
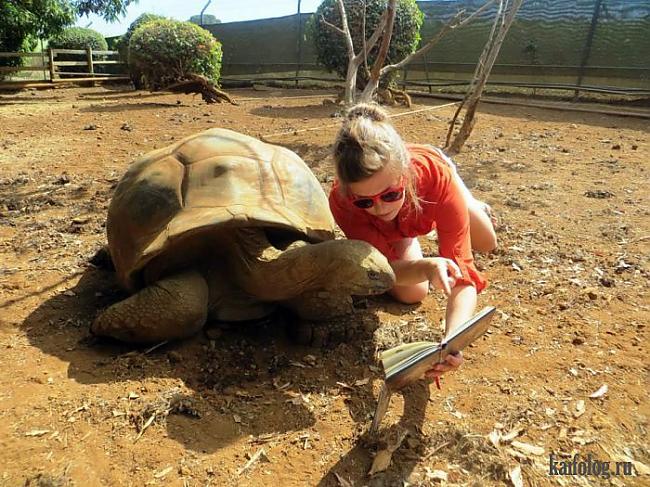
310 113
128 107
243 380
555 115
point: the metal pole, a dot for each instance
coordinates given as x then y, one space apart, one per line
588 44
299 44
203 10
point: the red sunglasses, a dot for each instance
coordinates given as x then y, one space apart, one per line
390 195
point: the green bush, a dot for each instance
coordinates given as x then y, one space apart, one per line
123 46
330 46
78 38
166 51
123 43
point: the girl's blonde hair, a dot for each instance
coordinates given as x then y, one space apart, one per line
365 144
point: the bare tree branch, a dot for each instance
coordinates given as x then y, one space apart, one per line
374 76
385 41
363 40
346 30
331 26
376 34
502 23
453 24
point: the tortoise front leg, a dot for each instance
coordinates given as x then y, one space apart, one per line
170 308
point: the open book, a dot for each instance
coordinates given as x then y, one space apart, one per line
408 362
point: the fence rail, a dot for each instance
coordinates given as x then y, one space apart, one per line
51 62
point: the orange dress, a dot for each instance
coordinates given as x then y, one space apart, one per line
443 208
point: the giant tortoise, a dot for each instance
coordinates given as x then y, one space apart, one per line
223 226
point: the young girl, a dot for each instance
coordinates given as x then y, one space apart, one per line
387 193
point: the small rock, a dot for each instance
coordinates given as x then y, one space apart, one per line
616 147
90 127
598 194
578 340
605 282
127 127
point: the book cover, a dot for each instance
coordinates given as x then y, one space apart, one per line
408 362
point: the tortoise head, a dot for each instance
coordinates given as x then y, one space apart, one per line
360 268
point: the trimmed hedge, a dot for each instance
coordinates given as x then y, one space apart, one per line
166 51
78 38
331 50
123 46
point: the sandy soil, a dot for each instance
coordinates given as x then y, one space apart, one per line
570 280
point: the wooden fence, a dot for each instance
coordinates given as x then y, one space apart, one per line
57 70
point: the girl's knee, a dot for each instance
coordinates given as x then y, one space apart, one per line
486 243
411 294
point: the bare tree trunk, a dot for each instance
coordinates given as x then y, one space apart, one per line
502 22
354 60
375 72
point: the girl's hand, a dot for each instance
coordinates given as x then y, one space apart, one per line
452 362
442 273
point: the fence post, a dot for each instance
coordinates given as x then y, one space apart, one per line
89 57
43 61
588 44
53 74
299 43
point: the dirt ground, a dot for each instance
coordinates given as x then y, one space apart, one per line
245 406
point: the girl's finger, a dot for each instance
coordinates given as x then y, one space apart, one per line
455 270
454 360
443 367
442 277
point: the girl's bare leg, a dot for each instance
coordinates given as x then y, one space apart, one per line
481 226
409 249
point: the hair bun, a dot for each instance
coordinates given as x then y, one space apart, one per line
367 110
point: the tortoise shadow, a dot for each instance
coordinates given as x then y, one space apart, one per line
242 381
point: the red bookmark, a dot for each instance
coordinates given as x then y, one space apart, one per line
438 383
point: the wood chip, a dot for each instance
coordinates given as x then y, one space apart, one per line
494 438
528 448
515 477
580 409
254 459
511 435
163 472
342 481
600 392
361 382
37 432
437 475
236 418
